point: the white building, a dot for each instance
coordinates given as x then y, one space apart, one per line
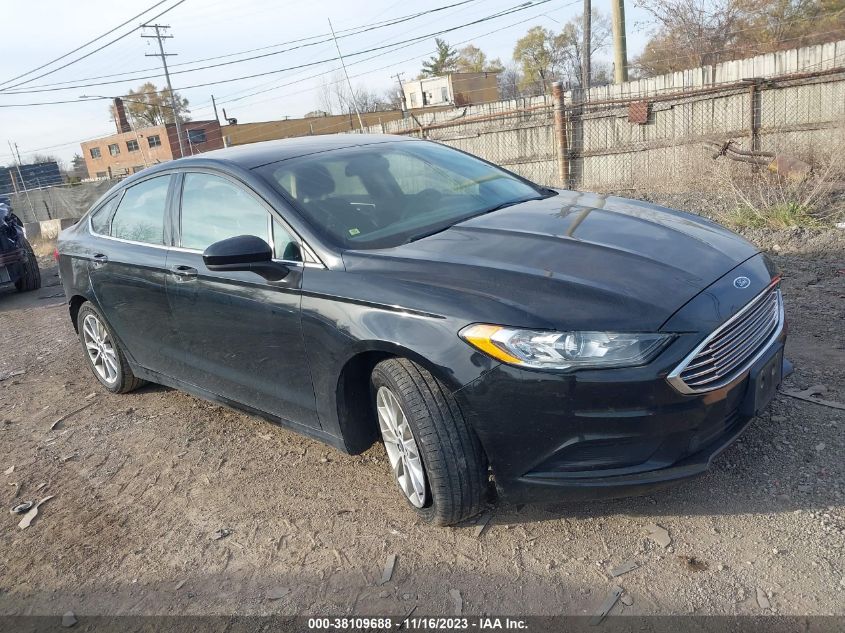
456 89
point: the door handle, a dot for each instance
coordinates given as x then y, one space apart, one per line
100 259
184 272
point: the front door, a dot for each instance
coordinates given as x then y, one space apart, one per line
127 258
236 334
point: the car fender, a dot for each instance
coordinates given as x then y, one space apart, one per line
339 331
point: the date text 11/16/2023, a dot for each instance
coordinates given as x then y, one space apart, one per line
417 623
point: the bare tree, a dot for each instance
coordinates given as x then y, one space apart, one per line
509 81
545 56
539 59
369 100
392 98
570 43
472 59
692 33
150 106
333 97
325 95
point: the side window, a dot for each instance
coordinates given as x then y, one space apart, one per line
100 218
214 209
140 215
285 246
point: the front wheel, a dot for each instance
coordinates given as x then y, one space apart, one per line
436 459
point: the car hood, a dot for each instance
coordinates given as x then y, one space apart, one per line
574 260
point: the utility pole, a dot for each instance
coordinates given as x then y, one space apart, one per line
214 104
16 152
620 48
401 91
349 83
158 36
587 46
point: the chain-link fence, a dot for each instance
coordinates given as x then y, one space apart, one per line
517 134
59 202
700 130
692 140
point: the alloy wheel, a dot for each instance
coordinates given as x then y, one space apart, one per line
100 349
401 447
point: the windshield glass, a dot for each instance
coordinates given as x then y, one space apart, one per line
386 194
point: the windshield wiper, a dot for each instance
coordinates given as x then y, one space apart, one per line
510 203
419 236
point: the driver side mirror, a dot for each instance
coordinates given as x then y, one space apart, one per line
244 253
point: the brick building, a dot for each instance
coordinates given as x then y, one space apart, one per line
129 151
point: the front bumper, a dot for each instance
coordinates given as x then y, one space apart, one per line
619 432
599 440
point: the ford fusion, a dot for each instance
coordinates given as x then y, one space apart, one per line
362 288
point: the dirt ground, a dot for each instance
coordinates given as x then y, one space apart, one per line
141 482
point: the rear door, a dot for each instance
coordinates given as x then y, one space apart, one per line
237 335
127 258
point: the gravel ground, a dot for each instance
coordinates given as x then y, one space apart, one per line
140 483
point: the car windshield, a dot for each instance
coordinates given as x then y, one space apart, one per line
387 194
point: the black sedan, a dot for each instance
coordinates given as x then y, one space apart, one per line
356 288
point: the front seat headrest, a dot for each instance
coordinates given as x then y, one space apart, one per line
313 181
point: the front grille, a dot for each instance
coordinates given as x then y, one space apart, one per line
733 347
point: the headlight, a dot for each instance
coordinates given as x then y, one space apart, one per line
541 349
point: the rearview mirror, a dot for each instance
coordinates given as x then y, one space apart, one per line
244 253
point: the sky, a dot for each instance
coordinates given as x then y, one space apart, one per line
224 29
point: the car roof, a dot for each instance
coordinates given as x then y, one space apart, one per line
256 154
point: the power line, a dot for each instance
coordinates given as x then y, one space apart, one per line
96 50
349 32
504 12
273 83
362 74
393 64
79 48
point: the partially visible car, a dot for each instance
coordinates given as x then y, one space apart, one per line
18 264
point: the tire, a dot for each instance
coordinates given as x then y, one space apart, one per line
110 366
454 467
30 274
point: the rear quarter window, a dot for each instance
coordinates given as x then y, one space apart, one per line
101 218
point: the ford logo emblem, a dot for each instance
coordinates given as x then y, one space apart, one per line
742 282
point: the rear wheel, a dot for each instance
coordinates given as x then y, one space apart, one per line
30 274
436 459
102 352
